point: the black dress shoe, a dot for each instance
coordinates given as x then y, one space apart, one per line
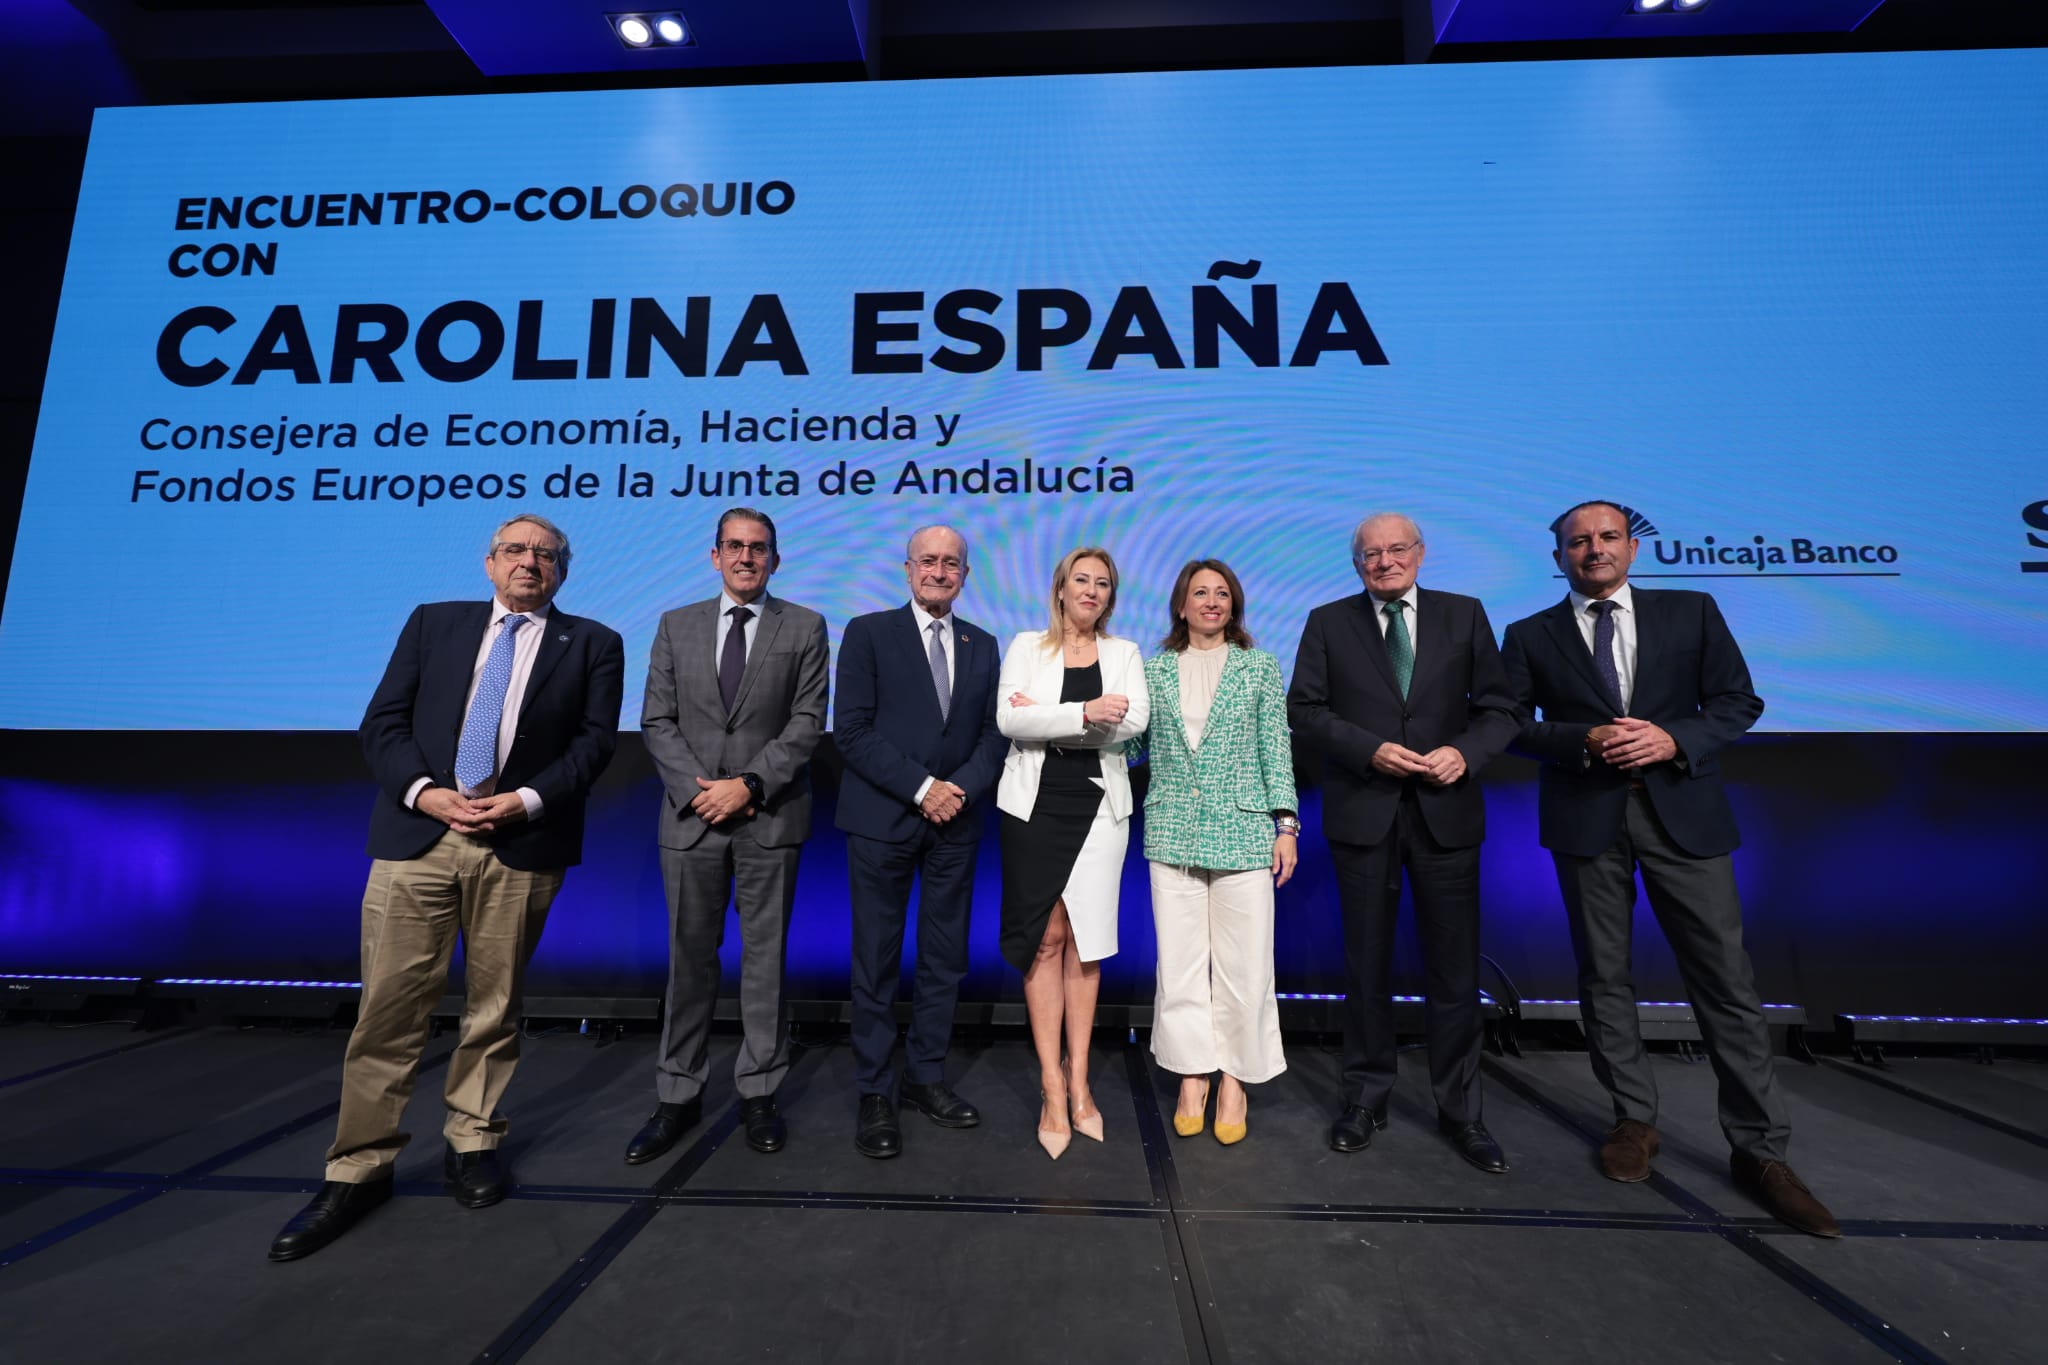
1475 1144
938 1103
875 1132
338 1207
659 1133
765 1129
476 1179
1353 1130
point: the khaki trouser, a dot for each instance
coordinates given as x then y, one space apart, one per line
412 912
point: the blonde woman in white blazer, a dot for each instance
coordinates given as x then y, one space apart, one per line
1068 698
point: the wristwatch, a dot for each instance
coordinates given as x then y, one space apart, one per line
754 788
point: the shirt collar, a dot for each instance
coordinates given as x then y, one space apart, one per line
1622 599
924 620
1380 608
726 602
499 611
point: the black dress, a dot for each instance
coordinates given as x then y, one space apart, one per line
1039 853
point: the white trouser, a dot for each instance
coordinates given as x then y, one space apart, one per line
1215 1009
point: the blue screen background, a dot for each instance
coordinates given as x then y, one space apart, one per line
1780 297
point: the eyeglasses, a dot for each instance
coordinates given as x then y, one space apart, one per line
1373 554
946 562
759 549
542 554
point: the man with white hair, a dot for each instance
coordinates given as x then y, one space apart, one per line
916 725
1401 689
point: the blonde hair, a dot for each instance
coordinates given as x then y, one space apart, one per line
1055 630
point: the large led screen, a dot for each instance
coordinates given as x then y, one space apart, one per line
1789 310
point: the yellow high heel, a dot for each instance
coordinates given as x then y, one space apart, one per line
1230 1134
1189 1125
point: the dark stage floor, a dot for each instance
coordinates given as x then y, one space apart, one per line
142 1176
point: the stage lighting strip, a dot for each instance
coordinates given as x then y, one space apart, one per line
42 976
235 981
1640 1004
1937 1019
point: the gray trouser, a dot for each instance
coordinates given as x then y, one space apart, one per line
1695 901
725 868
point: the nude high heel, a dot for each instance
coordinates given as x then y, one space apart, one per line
1188 1125
1054 1142
1091 1126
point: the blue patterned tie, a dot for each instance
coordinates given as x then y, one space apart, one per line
476 757
1603 653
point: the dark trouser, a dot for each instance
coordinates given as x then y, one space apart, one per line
701 880
1445 882
880 872
1695 901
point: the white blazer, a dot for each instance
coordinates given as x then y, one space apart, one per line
1029 668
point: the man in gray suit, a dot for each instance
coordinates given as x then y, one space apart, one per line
736 696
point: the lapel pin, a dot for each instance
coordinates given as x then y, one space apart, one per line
564 638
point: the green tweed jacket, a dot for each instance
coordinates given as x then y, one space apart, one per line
1213 807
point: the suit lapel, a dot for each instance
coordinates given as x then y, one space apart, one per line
918 646
764 640
1364 620
1432 629
1649 622
967 649
1235 662
556 633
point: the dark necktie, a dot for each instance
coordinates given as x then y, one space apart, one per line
476 753
732 661
1399 650
940 679
1603 653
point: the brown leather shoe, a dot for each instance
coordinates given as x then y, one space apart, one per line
1625 1156
1783 1195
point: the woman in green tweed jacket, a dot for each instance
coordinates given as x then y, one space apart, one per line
1220 834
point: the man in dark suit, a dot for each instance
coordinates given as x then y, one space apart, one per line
735 705
916 726
1401 689
491 724
1638 692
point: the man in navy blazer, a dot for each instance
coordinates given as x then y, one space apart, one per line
1638 691
1401 688
916 725
491 723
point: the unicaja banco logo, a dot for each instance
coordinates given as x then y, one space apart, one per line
1724 556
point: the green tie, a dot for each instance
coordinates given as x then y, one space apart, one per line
1398 649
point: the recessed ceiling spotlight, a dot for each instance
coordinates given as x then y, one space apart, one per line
633 30
1651 6
1691 4
670 28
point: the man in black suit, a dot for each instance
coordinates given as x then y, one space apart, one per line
916 726
1639 691
491 724
1401 689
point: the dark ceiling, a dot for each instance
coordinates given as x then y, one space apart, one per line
60 58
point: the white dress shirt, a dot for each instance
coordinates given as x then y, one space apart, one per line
1624 635
925 621
1379 614
525 648
726 603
